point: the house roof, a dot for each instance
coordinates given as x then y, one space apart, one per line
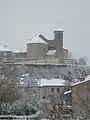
51 82
86 79
58 30
67 92
51 52
19 51
37 39
4 48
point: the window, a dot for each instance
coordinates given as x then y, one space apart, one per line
58 90
43 97
5 54
52 89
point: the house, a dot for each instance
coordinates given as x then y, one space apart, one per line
52 89
80 92
6 54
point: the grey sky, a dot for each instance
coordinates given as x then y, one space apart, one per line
24 19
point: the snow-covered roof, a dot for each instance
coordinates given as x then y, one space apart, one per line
51 52
19 51
51 82
86 79
67 92
37 39
3 48
58 30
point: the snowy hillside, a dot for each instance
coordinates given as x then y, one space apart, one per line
28 75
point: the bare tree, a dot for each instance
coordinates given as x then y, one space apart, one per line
82 61
9 92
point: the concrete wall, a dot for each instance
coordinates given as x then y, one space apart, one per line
47 93
51 60
81 98
21 55
65 53
36 50
6 56
58 37
68 99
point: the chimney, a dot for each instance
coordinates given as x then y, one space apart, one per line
58 37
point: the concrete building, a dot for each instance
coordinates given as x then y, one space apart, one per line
42 51
81 97
6 54
57 44
52 89
58 37
37 48
20 55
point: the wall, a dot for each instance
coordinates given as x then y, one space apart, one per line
8 55
81 98
58 37
68 99
65 53
47 93
36 50
21 55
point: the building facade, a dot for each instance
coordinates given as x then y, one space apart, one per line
81 97
41 50
6 54
37 48
52 89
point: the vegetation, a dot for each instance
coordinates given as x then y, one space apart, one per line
9 92
59 112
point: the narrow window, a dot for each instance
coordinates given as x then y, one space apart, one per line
52 89
58 90
43 97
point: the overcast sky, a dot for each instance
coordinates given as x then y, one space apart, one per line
21 20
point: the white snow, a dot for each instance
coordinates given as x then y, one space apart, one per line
2 48
37 39
58 29
52 82
67 92
19 51
25 75
51 52
86 79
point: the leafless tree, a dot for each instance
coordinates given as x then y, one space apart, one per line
9 92
82 61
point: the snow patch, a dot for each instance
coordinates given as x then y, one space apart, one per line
37 39
52 82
